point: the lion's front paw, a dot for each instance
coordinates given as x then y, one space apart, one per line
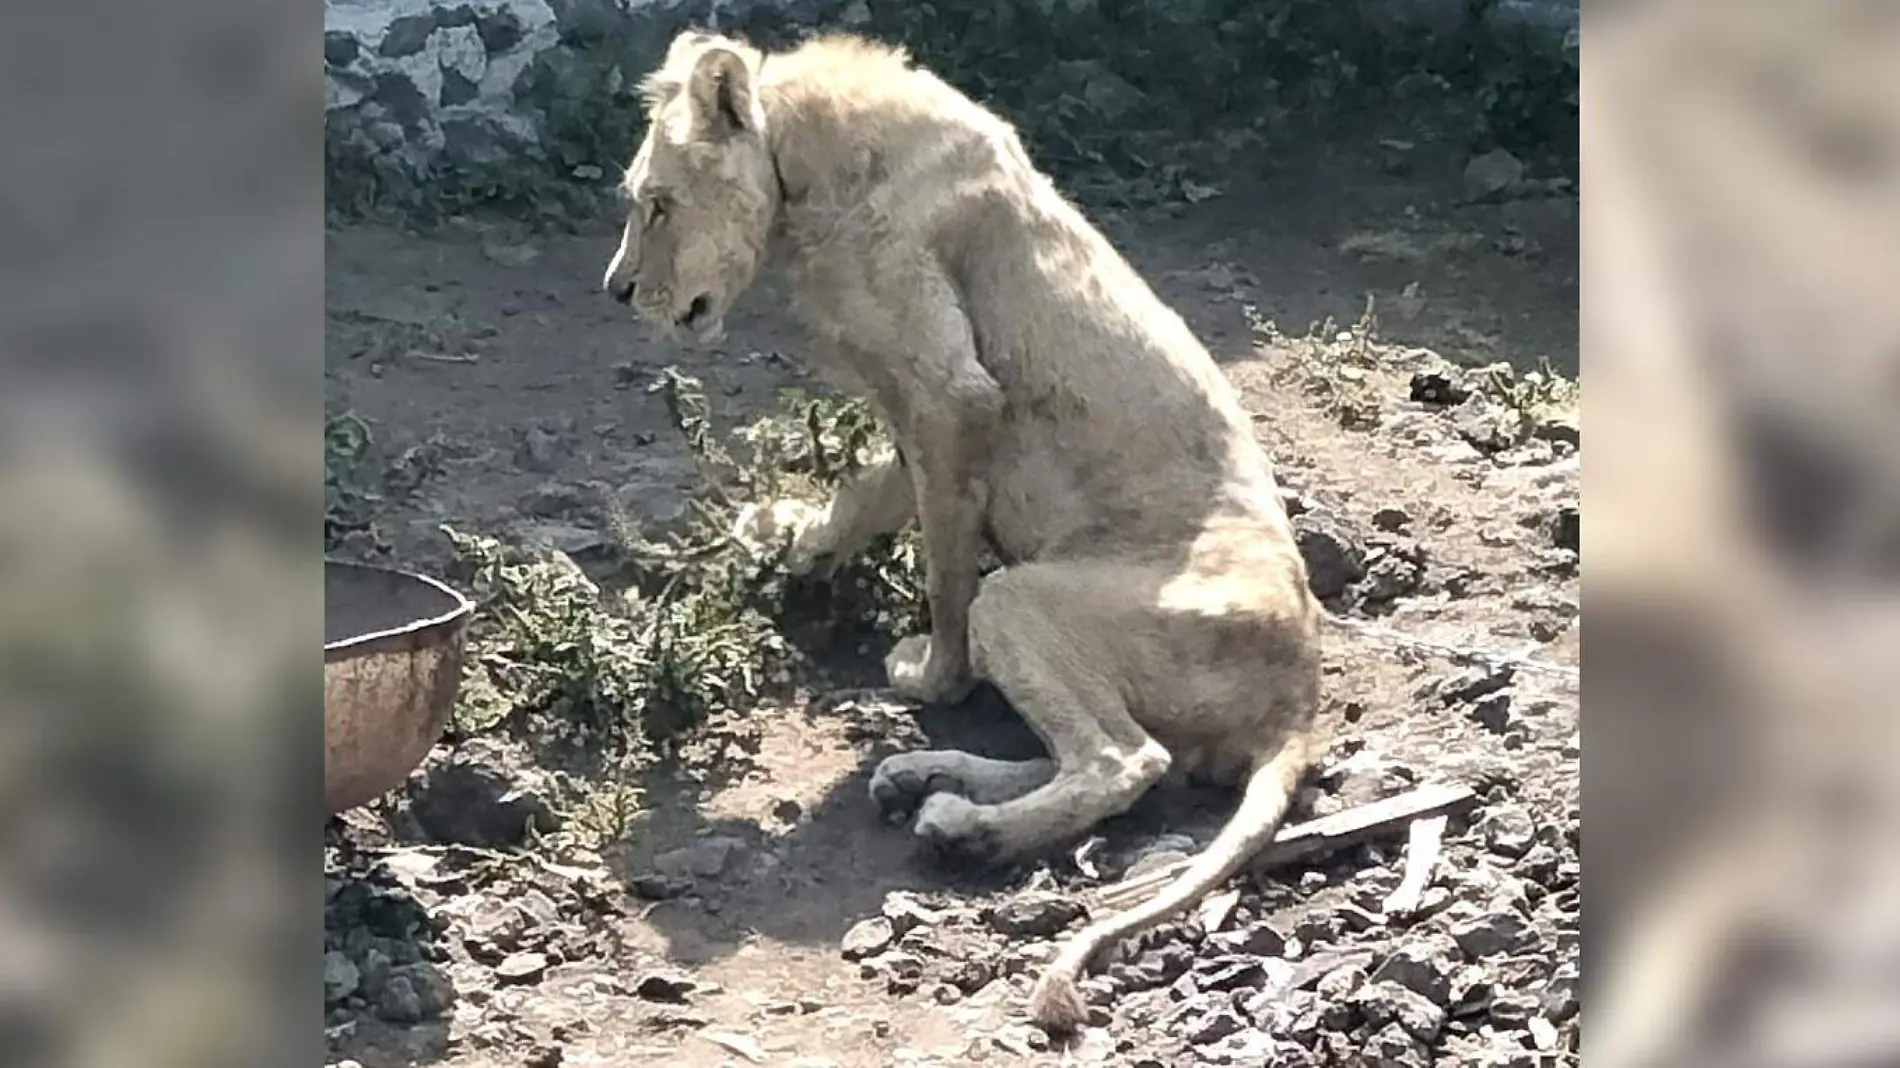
906 663
958 830
917 675
788 524
812 552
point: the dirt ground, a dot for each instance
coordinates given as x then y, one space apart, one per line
716 933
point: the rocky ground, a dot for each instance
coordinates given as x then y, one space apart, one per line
737 901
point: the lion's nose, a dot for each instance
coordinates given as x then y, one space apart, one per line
620 290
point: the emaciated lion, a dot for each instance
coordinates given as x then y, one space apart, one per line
1152 615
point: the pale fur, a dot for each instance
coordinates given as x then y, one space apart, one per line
1153 615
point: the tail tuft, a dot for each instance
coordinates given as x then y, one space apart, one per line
1056 1004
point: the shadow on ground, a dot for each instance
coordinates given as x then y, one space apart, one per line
832 866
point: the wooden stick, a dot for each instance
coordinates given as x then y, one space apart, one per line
1422 846
1324 835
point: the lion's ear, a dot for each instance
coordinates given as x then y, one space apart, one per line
720 89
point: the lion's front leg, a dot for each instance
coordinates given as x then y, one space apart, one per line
913 348
950 507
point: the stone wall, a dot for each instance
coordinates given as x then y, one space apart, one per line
429 98
417 80
423 93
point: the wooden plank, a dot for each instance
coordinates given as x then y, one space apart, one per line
1422 846
1328 834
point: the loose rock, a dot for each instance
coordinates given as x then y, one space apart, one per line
1488 888
1542 866
1395 1047
1386 1003
1246 1047
406 36
1499 934
868 938
1509 832
1230 973
492 930
415 992
474 800
340 49
1442 385
656 887
522 968
1493 175
1165 850
669 987
1260 940
902 972
1339 983
554 500
1157 967
1301 1017
906 913
1563 430
1494 714
1018 959
971 976
542 450
1316 929
375 970
1334 558
1034 916
1472 684
1485 425
1393 571
1512 1011
1566 529
1559 1003
340 977
1421 967
1391 520
1215 1024
708 858
1357 918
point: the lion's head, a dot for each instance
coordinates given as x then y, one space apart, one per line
702 190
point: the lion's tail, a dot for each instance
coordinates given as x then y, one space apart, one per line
1056 1004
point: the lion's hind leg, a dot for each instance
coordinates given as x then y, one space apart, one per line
902 781
1049 636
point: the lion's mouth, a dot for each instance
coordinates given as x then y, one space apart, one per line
695 312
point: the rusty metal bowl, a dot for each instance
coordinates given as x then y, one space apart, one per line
392 666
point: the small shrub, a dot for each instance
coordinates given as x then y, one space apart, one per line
802 451
1538 395
1335 365
620 677
348 500
610 683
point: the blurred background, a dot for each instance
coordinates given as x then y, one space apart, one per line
160 408
160 362
1740 165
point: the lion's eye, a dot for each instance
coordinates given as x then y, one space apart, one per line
656 210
